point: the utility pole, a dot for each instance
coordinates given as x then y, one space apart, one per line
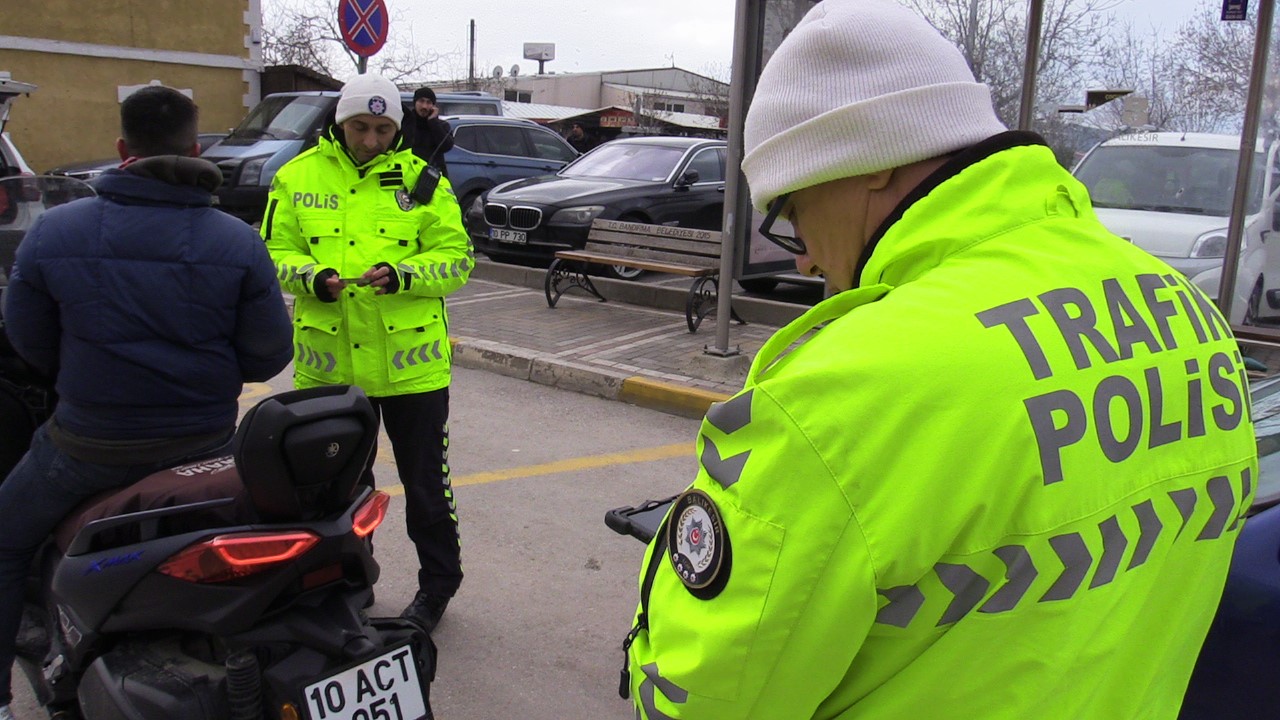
471 55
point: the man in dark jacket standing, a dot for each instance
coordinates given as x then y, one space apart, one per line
424 131
152 309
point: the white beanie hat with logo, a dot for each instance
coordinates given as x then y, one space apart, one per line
369 95
859 86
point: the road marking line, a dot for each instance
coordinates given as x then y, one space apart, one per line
661 452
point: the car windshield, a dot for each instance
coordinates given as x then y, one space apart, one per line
627 161
1164 178
283 118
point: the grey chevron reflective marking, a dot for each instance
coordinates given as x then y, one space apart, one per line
424 354
904 602
465 264
313 359
1223 505
732 415
332 362
968 587
395 360
1076 560
1113 544
444 269
408 269
725 471
1185 499
1246 487
652 681
1020 572
1150 525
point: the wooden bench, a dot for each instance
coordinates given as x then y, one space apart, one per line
658 248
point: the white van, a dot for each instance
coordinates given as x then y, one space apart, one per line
1170 193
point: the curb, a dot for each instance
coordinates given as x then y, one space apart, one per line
549 370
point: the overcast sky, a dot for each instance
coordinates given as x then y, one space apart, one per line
696 35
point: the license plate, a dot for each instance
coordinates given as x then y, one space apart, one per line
384 688
508 236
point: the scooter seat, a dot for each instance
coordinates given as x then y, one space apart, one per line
211 479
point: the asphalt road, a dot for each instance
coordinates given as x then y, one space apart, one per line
536 630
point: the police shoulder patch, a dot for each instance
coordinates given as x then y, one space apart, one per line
405 202
698 544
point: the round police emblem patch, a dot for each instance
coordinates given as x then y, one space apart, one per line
698 545
405 201
377 105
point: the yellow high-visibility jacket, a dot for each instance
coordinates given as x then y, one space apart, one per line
324 213
1004 480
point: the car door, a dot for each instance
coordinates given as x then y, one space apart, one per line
549 149
509 155
701 204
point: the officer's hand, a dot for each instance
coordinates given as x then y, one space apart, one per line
327 286
383 279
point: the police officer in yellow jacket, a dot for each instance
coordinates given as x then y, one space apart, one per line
998 475
370 241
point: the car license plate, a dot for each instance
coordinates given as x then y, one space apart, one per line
508 236
384 688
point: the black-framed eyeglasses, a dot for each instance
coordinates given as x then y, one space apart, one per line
790 243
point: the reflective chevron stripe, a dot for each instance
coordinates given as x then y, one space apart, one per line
420 355
966 586
725 471
309 357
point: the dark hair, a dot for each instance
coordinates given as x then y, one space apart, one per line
425 92
158 120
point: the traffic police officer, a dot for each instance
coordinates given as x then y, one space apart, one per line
370 241
998 475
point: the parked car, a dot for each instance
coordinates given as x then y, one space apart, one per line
656 180
11 161
489 151
91 169
283 125
1170 193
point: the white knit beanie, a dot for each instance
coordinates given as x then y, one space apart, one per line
859 86
369 95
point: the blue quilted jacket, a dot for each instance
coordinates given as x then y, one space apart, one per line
151 307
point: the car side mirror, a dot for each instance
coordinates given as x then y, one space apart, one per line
690 177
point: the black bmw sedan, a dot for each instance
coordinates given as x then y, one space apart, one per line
673 181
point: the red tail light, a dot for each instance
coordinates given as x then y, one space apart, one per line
371 514
227 557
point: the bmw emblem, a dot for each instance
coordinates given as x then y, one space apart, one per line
377 105
698 545
332 450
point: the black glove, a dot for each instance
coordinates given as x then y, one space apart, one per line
321 290
395 283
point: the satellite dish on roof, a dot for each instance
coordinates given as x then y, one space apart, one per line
497 71
515 71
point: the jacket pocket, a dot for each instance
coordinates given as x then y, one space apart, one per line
319 343
321 229
417 345
400 231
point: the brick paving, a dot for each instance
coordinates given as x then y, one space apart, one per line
612 336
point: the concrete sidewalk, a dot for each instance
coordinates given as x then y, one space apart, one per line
635 348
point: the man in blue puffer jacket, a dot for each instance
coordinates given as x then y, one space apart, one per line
152 309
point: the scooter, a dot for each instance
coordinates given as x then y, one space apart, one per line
228 588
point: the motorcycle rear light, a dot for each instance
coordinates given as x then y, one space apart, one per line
228 557
371 514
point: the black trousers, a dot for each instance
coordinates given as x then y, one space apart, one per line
418 426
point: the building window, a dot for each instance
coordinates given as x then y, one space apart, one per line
668 106
517 96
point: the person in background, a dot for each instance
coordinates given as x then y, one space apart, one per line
999 474
577 137
425 132
370 244
152 309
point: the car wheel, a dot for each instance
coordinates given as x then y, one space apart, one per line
622 272
762 285
467 201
